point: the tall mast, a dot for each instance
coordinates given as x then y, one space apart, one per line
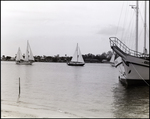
136 38
27 53
77 52
145 50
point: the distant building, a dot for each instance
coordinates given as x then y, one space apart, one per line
12 58
105 61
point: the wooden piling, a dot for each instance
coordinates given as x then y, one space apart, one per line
19 87
19 91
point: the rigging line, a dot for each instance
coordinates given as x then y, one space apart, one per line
140 34
139 74
141 16
133 29
131 33
147 31
147 34
119 18
124 23
130 25
142 22
141 6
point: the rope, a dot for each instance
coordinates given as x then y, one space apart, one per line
125 17
119 19
130 29
139 75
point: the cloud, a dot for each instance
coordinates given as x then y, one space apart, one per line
110 30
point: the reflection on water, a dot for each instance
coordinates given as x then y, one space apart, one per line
90 91
131 102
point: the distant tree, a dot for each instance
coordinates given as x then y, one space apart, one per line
90 55
109 55
103 56
3 57
98 57
54 59
68 59
48 58
8 57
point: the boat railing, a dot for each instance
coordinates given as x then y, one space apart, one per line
114 41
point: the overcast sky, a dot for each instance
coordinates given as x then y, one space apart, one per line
55 27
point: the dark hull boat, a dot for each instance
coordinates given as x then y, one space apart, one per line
77 59
75 64
24 62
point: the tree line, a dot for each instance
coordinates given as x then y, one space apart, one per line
88 58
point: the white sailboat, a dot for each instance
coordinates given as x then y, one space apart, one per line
77 59
19 57
28 60
135 64
112 60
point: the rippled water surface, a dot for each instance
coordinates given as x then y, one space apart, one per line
89 91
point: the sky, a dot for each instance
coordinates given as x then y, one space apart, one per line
55 27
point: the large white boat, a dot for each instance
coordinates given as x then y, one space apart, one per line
135 64
77 59
28 60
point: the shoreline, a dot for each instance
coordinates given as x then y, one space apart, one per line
66 62
20 112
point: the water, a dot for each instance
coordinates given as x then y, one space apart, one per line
89 91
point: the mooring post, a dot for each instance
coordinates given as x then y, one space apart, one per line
19 91
19 86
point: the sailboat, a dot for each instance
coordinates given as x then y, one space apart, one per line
28 60
135 64
77 59
112 60
19 57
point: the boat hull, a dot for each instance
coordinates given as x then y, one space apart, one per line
135 69
129 82
135 72
75 64
24 63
